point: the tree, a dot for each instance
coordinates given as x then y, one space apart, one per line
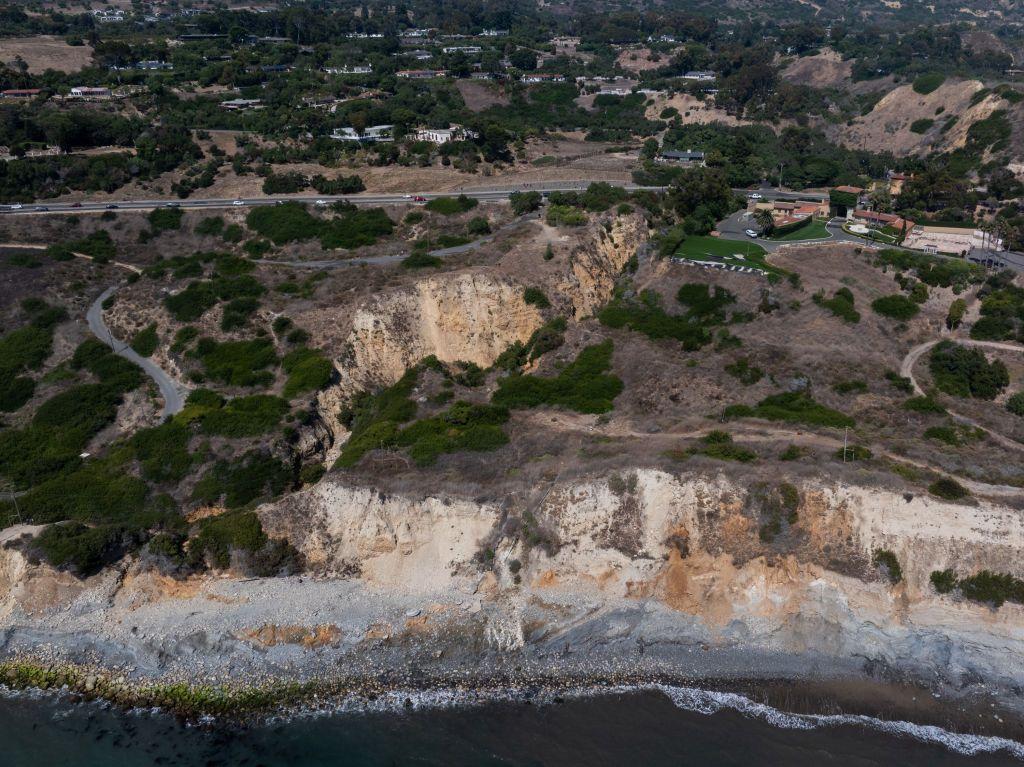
764 220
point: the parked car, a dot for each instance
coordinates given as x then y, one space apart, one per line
112 206
751 233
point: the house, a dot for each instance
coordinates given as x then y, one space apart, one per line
86 92
462 49
542 77
844 200
372 135
494 33
896 182
108 16
237 105
787 212
419 55
689 158
952 240
154 65
444 135
420 74
874 219
356 69
20 93
701 76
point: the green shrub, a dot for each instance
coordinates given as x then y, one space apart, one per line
238 363
420 260
478 226
83 550
145 341
184 338
850 387
742 370
900 383
896 306
451 206
191 303
525 202
15 391
26 348
565 215
841 305
245 416
210 226
463 427
966 372
791 453
992 588
1015 404
536 297
546 338
948 489
955 316
853 453
924 404
165 219
252 477
237 312
719 445
281 224
356 228
162 452
887 559
308 370
219 536
705 302
921 126
374 419
582 386
943 581
791 407
926 83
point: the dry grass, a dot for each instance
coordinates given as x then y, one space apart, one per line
45 52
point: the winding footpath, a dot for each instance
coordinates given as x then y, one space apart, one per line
915 354
173 393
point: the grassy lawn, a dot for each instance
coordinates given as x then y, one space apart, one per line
873 234
732 252
816 230
715 247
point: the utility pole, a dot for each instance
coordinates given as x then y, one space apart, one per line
846 436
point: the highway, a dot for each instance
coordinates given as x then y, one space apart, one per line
44 207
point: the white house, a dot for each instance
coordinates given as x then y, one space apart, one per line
462 49
372 135
700 76
356 69
236 105
86 92
444 135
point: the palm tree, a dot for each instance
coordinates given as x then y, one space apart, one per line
764 219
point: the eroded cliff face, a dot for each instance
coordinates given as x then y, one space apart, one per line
691 545
598 259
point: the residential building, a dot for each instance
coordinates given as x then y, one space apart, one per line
419 55
542 77
237 105
420 74
154 65
874 219
86 92
701 76
355 69
494 33
20 93
372 135
689 158
444 135
462 49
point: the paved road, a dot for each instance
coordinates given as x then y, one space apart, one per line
43 207
735 227
174 396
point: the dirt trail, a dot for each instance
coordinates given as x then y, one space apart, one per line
749 433
915 354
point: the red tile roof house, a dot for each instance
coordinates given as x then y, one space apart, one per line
21 93
881 220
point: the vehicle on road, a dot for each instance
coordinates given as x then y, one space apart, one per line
321 203
751 233
15 206
419 198
754 196
172 204
76 205
112 206
41 208
237 202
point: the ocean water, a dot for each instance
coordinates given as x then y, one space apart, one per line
650 726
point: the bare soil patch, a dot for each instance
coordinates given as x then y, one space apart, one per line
481 95
825 70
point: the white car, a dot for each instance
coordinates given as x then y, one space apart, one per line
751 233
321 203
753 196
237 202
16 206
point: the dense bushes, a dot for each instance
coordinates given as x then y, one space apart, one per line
162 452
165 219
546 338
25 349
339 185
986 586
896 306
145 341
1015 404
841 305
565 215
463 426
932 270
451 206
948 489
292 222
536 297
792 407
238 363
966 372
886 559
1002 310
82 549
308 370
705 308
582 386
245 416
525 202
926 83
254 476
